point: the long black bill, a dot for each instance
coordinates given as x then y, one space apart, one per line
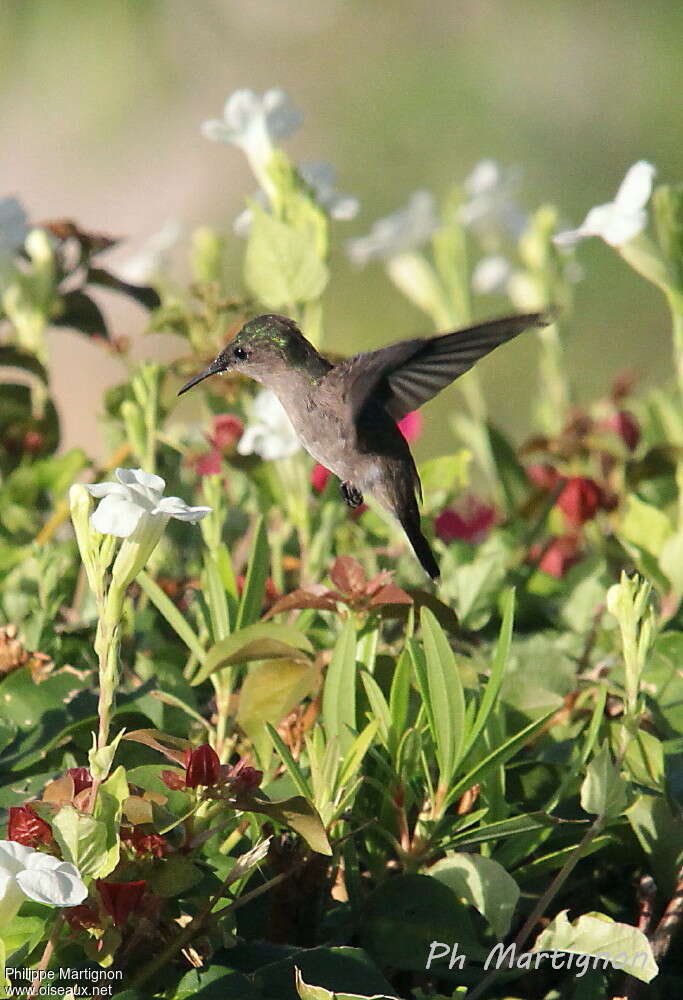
214 368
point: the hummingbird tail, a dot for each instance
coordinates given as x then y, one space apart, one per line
421 546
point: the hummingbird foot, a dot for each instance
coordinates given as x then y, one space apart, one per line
351 495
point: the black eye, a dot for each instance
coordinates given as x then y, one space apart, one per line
241 353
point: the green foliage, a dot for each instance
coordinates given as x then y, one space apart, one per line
309 764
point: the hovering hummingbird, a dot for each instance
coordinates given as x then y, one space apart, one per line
345 415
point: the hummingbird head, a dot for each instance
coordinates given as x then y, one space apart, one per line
264 349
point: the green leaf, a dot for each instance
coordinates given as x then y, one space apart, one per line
603 791
500 659
497 757
339 691
484 883
263 641
644 525
251 602
108 808
270 690
446 696
296 812
309 992
625 946
378 704
177 874
281 265
170 612
84 840
293 768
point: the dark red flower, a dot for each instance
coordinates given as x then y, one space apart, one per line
208 464
626 426
174 780
580 500
145 843
81 917
27 828
319 477
243 778
558 556
121 898
81 777
202 766
472 524
410 426
545 476
226 431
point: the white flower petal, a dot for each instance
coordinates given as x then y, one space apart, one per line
400 232
13 225
13 856
344 207
175 507
282 117
241 107
55 888
138 477
116 516
636 187
491 274
217 131
108 490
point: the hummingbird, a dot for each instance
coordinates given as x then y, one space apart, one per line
346 414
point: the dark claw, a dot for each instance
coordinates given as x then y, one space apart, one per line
351 496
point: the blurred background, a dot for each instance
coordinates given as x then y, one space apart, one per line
101 105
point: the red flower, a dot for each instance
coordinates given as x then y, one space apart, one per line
145 843
626 426
558 556
410 426
472 525
81 917
243 778
226 432
27 828
208 464
202 766
120 898
580 500
545 476
319 477
82 778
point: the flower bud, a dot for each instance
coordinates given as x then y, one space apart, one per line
202 766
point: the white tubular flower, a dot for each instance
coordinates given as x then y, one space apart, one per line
253 122
152 257
491 275
491 204
400 232
322 178
135 509
28 874
618 221
137 495
270 434
13 225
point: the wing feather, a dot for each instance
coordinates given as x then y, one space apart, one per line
403 376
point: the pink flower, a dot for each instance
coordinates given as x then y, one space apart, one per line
543 475
208 464
226 432
410 426
319 477
580 500
472 524
558 556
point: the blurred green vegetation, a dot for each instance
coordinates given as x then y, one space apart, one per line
101 106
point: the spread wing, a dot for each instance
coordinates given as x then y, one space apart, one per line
403 376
